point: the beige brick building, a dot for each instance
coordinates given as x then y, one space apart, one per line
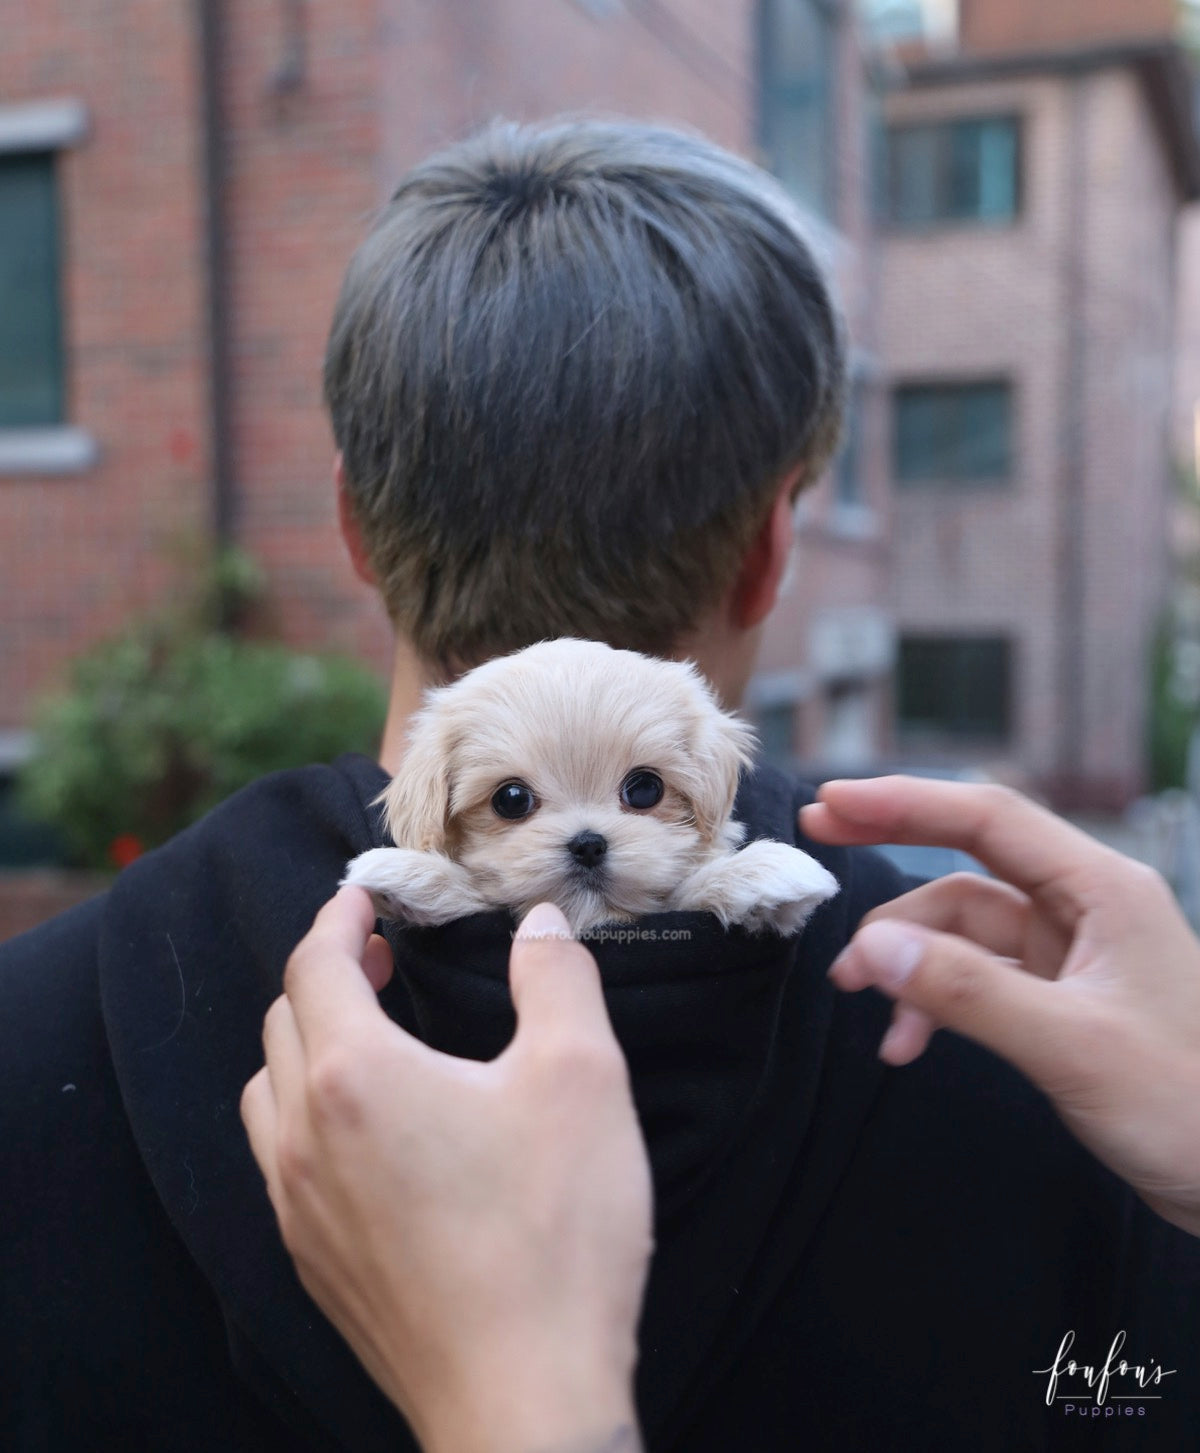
1030 194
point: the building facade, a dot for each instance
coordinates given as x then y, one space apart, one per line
180 188
1032 172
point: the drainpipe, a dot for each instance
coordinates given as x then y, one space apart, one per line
213 163
1071 769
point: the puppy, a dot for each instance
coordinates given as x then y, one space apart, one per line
600 780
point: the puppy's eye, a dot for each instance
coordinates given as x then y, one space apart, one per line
642 789
512 801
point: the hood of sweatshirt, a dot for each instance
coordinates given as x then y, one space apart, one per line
750 1077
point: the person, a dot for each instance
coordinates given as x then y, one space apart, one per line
577 374
377 1214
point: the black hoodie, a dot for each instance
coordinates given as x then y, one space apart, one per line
849 1257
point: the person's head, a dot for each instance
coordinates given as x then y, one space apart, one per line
574 371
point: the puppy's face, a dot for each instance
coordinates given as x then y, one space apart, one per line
570 772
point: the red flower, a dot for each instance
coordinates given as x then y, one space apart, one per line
125 848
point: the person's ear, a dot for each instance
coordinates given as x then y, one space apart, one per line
758 583
722 748
349 526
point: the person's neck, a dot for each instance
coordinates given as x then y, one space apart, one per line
409 680
725 659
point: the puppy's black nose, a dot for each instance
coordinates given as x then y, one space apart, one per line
587 848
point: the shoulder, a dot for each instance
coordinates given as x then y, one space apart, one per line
273 840
49 1009
251 869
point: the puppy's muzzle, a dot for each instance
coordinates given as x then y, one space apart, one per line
588 849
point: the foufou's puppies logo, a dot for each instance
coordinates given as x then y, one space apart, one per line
1116 1387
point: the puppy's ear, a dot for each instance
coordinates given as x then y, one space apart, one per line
722 747
416 803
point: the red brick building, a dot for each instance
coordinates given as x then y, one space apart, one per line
1034 170
181 186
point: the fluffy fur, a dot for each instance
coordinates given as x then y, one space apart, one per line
571 720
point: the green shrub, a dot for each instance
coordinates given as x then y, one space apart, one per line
160 725
1173 711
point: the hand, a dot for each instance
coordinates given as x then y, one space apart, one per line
1077 967
479 1233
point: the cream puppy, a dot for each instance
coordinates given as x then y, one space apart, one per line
600 780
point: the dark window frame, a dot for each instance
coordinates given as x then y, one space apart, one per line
965 723
887 193
957 477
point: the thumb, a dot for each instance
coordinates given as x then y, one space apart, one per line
996 1003
554 980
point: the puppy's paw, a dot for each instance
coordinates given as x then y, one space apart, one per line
767 885
419 888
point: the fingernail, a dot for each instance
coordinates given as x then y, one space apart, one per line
891 952
544 921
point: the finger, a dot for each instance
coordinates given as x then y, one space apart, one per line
260 1116
326 980
990 913
1020 842
284 1051
957 984
908 1035
555 981
377 963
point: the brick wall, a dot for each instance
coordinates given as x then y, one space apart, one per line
992 26
79 553
1128 281
302 180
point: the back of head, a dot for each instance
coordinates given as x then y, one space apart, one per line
567 371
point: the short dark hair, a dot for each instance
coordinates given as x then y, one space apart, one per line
568 369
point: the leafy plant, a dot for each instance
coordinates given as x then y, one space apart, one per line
162 723
1174 714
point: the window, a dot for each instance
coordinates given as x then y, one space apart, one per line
776 727
31 355
954 686
952 171
847 472
894 19
849 737
796 66
953 432
933 21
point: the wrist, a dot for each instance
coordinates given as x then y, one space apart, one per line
574 1407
